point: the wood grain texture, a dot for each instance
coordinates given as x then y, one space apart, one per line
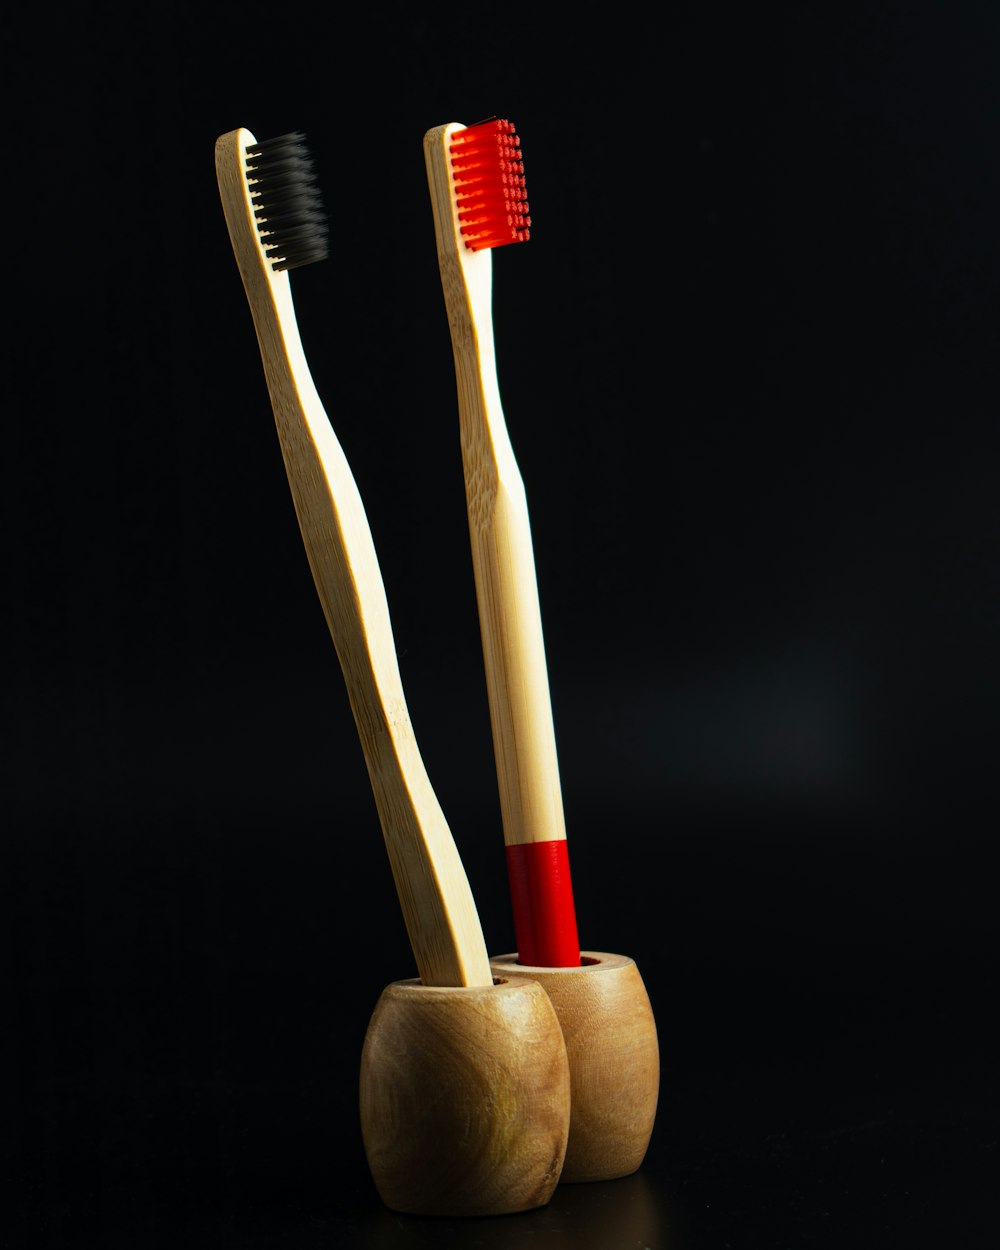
434 894
614 1060
465 1098
502 555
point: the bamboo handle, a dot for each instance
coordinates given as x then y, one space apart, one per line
502 553
434 893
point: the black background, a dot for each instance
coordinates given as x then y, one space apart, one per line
748 367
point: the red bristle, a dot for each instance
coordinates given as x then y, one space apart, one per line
488 173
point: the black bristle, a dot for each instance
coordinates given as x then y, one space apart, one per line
291 220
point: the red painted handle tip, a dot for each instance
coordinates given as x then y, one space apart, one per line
542 896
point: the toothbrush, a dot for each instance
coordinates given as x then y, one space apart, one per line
276 222
476 179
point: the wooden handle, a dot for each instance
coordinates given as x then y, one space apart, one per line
437 903
502 554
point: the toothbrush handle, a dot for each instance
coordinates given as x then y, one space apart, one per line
433 889
520 711
516 671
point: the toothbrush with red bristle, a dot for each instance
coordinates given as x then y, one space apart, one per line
476 179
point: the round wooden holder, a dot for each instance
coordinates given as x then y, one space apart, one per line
614 1060
465 1097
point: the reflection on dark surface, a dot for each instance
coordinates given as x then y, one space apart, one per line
627 1214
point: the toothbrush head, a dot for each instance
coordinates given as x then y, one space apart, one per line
287 207
488 178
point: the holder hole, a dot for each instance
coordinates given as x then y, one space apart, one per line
499 980
587 960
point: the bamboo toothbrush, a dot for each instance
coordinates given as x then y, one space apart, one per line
276 222
476 180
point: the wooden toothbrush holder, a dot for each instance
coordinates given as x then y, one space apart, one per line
614 1060
465 1097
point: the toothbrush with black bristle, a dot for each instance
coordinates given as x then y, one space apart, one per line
476 179
277 222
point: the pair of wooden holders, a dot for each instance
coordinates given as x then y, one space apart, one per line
478 1101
